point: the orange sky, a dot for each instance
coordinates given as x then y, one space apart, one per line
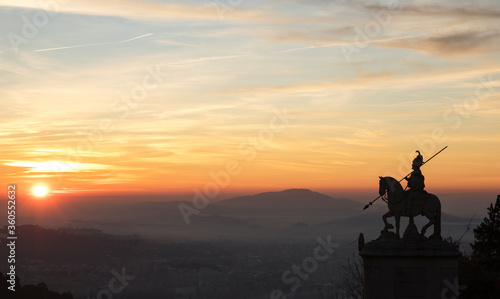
113 99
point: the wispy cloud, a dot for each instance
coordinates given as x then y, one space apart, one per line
340 44
453 43
55 166
376 80
202 59
142 9
456 10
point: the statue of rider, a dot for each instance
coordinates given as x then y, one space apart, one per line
416 184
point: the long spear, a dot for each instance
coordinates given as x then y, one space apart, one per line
371 202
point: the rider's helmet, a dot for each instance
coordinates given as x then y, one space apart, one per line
418 161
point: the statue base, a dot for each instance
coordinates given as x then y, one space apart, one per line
417 268
411 233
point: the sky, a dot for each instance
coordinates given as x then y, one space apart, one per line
238 96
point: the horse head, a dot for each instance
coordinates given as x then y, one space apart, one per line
388 184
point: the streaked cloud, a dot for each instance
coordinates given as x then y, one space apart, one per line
455 10
141 9
55 166
452 44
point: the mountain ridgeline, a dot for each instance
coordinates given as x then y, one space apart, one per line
293 213
293 200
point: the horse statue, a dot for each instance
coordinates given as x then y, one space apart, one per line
396 199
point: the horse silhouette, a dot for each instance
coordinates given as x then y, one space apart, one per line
429 207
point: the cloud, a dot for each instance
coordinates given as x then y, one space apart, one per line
142 9
55 166
452 44
169 42
343 44
381 80
443 10
314 36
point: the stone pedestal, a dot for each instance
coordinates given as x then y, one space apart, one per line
404 269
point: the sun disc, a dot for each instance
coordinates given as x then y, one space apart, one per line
40 190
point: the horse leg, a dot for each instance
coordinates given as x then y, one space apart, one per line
409 209
387 224
398 218
437 223
429 216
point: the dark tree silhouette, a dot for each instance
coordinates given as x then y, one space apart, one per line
480 272
40 291
351 282
487 239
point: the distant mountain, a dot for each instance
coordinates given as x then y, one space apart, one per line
256 216
294 201
293 213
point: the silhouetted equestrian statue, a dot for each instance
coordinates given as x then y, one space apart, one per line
410 203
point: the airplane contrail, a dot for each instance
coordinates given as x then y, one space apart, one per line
134 38
96 44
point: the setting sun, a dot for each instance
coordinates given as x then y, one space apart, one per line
40 190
